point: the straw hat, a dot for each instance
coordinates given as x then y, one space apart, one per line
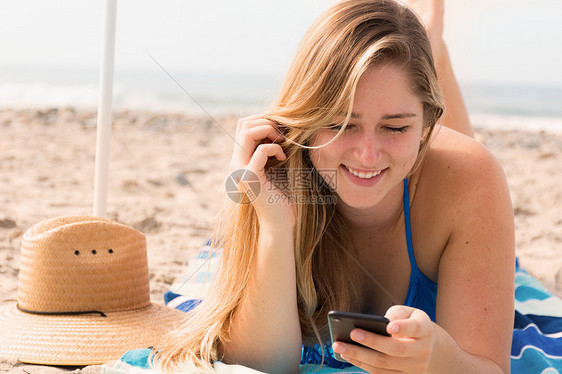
83 295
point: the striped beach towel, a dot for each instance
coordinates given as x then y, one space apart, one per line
537 334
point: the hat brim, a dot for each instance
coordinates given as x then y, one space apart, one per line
85 339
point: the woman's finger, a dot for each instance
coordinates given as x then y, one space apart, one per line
383 344
246 119
251 121
418 325
247 142
398 312
262 154
249 138
368 359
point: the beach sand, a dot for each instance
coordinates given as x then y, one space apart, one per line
167 171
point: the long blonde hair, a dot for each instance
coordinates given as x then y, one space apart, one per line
340 46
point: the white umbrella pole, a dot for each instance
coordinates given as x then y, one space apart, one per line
104 111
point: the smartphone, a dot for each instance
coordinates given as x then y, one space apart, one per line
342 323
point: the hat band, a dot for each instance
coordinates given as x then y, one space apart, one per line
102 314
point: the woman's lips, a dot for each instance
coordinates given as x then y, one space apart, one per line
363 178
363 174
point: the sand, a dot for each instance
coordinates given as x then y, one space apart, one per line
167 171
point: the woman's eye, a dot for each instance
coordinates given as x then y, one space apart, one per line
397 129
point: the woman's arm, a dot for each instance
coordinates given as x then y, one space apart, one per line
476 286
265 331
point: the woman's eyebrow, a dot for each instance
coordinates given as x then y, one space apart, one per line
400 115
353 115
387 116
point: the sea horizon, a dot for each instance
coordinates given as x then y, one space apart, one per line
490 105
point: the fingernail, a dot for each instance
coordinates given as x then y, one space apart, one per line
394 329
358 336
339 348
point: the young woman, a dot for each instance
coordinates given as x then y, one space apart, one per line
420 227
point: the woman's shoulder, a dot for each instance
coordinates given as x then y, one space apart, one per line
457 160
456 171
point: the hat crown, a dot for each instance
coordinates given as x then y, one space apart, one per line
82 264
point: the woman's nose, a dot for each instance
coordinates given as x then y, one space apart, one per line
367 149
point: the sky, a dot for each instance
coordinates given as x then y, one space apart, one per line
508 42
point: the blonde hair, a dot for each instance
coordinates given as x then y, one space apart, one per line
340 46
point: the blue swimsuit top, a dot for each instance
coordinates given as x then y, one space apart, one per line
422 291
422 294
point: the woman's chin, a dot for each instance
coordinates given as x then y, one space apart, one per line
354 202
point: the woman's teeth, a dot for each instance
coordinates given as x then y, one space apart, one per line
362 174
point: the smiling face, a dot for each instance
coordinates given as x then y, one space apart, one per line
380 144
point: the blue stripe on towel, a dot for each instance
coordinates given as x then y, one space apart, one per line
531 335
537 334
137 358
169 296
524 293
522 278
548 324
180 302
533 360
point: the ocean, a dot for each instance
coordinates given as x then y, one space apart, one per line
490 106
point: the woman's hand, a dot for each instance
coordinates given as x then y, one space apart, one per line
256 140
408 350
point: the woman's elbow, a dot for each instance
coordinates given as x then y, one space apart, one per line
276 360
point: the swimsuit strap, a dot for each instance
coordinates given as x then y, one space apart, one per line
406 199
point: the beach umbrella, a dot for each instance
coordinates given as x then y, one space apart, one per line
103 140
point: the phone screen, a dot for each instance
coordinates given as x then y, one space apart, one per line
342 323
